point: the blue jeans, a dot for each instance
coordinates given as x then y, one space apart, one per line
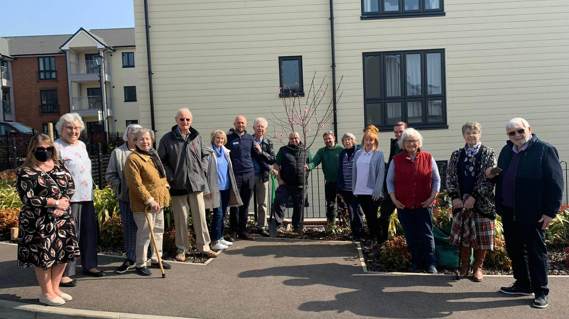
128 230
418 226
219 215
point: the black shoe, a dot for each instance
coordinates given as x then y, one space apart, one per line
97 273
71 283
165 265
516 290
143 271
245 236
540 302
126 266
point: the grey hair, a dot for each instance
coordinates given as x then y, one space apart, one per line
69 118
261 120
183 109
130 128
473 126
517 121
410 133
141 131
348 135
216 133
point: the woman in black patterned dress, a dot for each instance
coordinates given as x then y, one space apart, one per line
47 231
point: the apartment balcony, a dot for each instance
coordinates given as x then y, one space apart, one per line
87 106
86 72
5 73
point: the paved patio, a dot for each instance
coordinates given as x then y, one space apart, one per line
274 279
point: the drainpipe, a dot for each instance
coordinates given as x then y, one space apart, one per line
333 52
149 64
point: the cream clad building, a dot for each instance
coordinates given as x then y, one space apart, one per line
435 64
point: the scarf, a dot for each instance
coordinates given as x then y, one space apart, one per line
470 159
155 160
218 150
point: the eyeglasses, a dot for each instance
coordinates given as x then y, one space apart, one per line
184 120
520 131
40 148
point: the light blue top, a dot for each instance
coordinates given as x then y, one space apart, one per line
222 168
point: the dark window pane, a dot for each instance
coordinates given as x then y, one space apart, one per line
390 5
413 74
432 4
48 101
290 74
393 113
393 75
435 111
94 98
92 62
46 66
372 76
373 113
411 5
434 74
371 6
130 93
128 59
414 112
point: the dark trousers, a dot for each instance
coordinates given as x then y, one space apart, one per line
218 216
87 230
356 215
128 231
330 193
387 208
525 244
418 227
282 195
238 215
370 206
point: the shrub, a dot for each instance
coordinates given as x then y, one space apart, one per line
106 204
394 255
111 234
557 234
8 219
9 197
498 258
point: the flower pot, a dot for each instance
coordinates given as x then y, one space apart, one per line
14 231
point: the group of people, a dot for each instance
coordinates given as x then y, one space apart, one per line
58 221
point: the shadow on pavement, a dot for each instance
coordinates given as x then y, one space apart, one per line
292 250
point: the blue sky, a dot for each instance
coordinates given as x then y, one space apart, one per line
37 17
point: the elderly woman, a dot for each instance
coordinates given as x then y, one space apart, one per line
74 155
47 230
148 194
344 184
472 197
222 186
368 174
529 189
413 183
115 177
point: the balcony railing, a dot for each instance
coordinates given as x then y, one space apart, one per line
49 108
80 103
87 67
5 72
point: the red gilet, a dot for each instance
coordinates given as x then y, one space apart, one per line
413 179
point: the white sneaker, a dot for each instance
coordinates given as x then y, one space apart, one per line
218 246
226 243
65 297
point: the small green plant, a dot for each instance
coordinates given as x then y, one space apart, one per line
557 234
111 234
106 204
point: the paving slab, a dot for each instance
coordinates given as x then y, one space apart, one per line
278 279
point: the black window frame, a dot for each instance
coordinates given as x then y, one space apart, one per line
402 13
126 94
128 62
47 69
424 98
288 92
49 108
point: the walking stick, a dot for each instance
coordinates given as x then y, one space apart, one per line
153 241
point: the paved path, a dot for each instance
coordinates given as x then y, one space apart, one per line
282 279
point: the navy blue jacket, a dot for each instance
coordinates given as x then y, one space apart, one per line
538 188
241 150
340 178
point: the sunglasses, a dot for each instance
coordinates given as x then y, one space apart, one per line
50 148
520 131
184 120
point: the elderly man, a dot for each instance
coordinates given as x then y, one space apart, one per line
292 164
241 146
387 206
115 177
185 160
263 158
328 156
529 188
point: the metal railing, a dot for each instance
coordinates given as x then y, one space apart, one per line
49 108
87 67
79 103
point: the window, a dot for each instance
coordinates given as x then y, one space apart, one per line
130 93
92 62
405 86
290 76
129 122
94 98
378 9
46 65
128 59
48 101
